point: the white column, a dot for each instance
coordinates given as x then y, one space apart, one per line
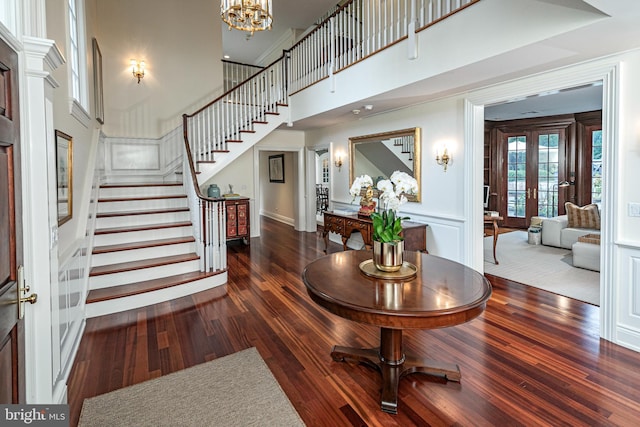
40 225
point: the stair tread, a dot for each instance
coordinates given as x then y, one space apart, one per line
139 198
143 244
138 265
122 291
141 184
141 212
142 227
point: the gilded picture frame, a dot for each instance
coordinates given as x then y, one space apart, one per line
64 176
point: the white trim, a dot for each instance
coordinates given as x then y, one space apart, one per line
300 188
78 111
605 70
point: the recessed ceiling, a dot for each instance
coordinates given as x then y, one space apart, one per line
565 101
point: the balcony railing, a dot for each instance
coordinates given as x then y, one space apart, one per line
355 31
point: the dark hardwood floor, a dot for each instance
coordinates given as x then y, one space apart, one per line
532 358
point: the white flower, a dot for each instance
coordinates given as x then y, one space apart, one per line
404 183
358 183
392 191
386 188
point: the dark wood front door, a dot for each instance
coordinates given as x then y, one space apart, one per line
11 327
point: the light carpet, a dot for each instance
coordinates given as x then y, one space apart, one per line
541 266
235 390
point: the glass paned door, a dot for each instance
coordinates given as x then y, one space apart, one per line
548 184
534 184
596 166
516 176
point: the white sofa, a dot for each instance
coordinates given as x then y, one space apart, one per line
556 232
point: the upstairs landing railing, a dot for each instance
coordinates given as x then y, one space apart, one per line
355 31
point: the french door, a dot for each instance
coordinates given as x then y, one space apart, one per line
534 175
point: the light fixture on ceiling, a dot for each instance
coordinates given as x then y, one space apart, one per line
137 69
247 15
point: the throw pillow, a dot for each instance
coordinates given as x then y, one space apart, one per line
587 216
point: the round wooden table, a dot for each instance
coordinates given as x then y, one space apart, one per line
442 293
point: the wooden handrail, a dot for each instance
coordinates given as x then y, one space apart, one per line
237 86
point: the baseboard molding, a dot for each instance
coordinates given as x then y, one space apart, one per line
278 217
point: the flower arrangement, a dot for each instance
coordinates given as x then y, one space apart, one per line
387 225
358 183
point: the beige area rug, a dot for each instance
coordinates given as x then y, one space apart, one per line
543 267
235 390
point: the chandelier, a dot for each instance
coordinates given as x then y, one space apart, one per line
247 15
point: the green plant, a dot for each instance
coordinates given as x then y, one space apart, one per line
387 226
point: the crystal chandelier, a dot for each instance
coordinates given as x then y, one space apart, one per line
247 15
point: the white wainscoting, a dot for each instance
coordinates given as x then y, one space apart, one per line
144 159
444 233
628 298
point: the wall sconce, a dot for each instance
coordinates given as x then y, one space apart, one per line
444 159
338 161
137 68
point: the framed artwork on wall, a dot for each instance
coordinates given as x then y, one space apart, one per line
276 168
97 82
64 176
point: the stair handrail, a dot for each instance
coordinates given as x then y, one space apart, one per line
354 31
222 121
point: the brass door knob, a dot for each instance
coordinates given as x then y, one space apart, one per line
30 299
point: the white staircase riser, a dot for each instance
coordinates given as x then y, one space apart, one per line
142 253
160 190
141 236
142 300
138 205
131 220
207 171
135 276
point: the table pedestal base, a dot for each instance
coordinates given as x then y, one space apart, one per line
390 360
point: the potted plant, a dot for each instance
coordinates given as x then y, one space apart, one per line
388 245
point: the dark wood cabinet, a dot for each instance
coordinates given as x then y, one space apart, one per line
238 221
415 234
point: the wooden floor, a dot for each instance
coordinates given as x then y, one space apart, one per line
533 358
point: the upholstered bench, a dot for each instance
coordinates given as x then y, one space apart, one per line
586 252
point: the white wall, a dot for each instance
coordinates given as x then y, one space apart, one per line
84 136
182 47
442 205
276 199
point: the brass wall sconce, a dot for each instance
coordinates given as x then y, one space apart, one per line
338 161
137 69
444 159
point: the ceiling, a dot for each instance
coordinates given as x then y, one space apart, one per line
618 32
242 47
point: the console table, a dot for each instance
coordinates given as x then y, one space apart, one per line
415 234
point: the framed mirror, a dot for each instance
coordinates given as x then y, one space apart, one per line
379 155
64 167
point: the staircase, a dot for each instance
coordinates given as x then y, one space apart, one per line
144 250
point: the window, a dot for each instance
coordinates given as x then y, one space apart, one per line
76 57
596 166
516 175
